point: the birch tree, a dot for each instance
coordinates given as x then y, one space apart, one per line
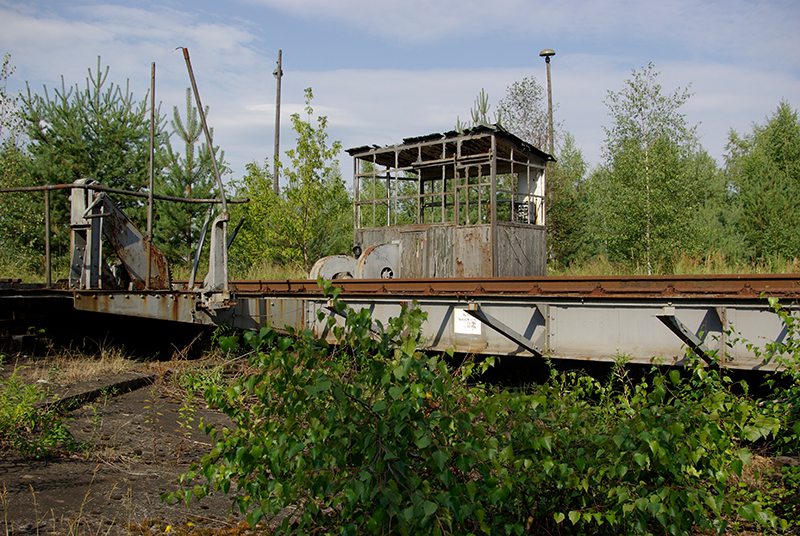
646 195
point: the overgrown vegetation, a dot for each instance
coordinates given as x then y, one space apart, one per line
27 426
373 437
657 203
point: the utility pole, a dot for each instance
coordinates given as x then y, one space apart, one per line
546 53
278 74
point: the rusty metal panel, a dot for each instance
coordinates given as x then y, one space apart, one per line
522 250
374 236
130 246
784 286
173 306
255 313
473 251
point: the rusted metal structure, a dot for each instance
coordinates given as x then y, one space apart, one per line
645 318
483 187
459 204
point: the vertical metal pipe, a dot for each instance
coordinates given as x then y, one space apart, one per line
205 130
546 54
47 261
493 195
278 74
549 106
356 198
152 174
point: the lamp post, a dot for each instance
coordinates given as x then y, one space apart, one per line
546 53
278 74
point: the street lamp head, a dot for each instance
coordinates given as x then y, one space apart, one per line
546 53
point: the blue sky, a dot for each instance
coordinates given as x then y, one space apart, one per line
383 70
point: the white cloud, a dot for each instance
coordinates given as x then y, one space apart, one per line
733 27
383 105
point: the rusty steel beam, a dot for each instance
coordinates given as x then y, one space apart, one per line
593 319
756 286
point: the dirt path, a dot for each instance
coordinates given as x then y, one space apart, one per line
134 448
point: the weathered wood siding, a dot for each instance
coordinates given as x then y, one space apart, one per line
521 250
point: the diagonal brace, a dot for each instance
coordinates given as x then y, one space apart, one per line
691 340
475 311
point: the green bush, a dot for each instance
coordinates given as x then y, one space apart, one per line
373 437
784 403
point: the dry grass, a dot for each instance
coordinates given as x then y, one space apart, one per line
67 367
757 475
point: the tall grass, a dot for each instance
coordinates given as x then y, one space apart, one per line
269 271
714 263
16 266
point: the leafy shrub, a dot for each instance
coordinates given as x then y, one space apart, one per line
373 437
785 386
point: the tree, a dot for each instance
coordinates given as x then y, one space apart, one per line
479 113
253 243
568 236
312 215
9 114
190 175
646 196
99 132
21 220
523 112
763 168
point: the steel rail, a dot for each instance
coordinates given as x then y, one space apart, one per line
746 286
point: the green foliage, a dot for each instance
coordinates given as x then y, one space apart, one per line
21 214
374 437
568 213
523 112
189 175
25 426
647 193
99 132
312 216
9 115
763 168
21 220
785 353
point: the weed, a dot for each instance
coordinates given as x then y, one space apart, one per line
187 413
153 419
26 426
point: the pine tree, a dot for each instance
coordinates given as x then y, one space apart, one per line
189 175
99 132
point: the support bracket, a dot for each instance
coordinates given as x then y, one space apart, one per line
475 311
691 340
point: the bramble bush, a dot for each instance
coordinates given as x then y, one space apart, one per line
373 437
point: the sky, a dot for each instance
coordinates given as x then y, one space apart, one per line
384 70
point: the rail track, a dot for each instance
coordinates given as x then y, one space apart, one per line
644 318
